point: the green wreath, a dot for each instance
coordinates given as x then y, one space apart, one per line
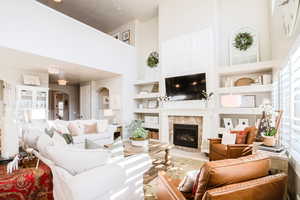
153 59
243 41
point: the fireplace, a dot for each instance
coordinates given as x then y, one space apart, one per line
185 135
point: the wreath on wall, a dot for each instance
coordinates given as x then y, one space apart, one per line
243 41
153 59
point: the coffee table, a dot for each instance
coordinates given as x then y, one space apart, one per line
154 148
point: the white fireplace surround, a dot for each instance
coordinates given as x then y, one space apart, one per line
208 128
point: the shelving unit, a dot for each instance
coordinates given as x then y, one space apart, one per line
147 91
260 91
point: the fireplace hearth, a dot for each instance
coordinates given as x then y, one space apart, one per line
185 135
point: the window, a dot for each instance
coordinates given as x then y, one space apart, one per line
287 98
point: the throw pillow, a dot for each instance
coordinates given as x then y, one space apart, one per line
228 139
90 128
241 137
50 131
42 143
102 126
76 161
186 185
62 129
75 128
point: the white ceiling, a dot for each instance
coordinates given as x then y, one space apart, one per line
106 15
16 60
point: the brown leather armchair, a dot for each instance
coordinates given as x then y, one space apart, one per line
245 178
218 151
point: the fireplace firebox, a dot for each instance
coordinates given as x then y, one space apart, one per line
185 135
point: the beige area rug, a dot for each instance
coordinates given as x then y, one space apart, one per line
180 166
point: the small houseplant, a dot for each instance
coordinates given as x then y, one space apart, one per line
269 136
139 136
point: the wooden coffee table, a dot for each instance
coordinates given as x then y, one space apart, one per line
154 148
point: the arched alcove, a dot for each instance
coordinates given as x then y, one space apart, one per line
104 98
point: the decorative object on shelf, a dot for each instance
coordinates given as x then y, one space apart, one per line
31 80
244 47
155 88
126 36
164 99
152 104
139 136
207 96
153 59
266 79
228 123
289 11
245 81
243 123
248 101
116 36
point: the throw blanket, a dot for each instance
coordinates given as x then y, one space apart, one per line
26 184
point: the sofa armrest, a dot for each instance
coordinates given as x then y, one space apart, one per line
167 188
238 150
266 188
100 181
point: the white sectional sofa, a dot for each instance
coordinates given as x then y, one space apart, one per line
102 136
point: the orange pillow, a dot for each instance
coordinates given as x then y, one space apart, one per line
241 137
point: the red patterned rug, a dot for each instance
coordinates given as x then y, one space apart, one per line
26 184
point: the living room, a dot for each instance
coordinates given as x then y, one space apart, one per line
168 80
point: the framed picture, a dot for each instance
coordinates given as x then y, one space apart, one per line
228 123
248 101
116 36
244 123
31 80
126 36
152 104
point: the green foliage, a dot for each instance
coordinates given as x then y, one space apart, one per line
243 41
136 130
153 59
270 132
207 96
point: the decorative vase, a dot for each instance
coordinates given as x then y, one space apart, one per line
269 141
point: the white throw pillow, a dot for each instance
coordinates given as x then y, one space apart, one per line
102 126
187 184
228 138
58 140
76 161
76 128
31 137
42 143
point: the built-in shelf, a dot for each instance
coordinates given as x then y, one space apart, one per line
143 82
241 111
150 125
147 111
246 89
247 68
147 96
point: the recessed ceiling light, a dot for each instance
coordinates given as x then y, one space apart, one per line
57 1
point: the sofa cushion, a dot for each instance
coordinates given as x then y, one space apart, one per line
75 128
42 143
76 161
102 126
251 134
90 128
224 172
97 136
220 148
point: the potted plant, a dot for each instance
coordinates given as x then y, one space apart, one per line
207 97
139 136
269 137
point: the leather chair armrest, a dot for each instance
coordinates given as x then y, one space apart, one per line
266 188
238 150
215 141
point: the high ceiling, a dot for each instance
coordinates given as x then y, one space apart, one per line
73 73
106 15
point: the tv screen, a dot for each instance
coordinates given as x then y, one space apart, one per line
186 87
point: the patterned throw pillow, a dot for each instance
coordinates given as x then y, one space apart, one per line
241 137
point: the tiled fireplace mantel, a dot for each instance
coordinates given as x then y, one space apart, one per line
209 123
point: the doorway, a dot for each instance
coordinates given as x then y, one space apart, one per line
59 106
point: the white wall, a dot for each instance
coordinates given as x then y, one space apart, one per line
32 27
146 42
234 14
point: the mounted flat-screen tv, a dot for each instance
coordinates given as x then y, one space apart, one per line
183 88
